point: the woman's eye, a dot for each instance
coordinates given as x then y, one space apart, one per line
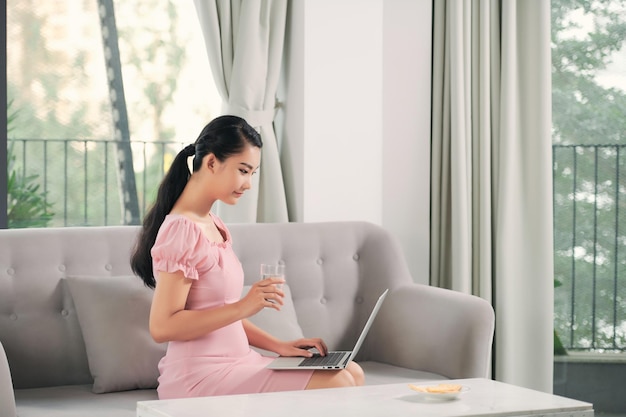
243 171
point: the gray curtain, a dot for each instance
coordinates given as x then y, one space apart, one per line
244 42
491 202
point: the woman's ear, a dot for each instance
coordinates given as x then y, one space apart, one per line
210 161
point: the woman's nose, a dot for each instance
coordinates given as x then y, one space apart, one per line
247 183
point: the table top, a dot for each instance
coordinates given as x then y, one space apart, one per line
481 397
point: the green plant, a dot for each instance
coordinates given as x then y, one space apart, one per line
27 205
559 349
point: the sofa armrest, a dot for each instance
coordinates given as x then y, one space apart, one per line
435 330
7 396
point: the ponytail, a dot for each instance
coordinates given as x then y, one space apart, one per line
224 136
170 189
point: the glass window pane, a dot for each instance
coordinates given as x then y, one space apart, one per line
589 154
63 146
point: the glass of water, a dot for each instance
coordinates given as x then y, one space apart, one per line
273 271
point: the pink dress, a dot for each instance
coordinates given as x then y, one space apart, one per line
221 362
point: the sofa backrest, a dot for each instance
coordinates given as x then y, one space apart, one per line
335 272
38 323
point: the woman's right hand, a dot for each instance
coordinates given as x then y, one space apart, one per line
262 294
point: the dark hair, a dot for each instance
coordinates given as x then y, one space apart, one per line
224 136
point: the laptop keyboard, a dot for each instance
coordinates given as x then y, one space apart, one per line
318 360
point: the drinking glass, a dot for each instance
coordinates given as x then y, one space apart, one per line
273 270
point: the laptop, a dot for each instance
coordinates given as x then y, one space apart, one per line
333 359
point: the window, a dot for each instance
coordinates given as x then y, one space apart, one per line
63 143
589 155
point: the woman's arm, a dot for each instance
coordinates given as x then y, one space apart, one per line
261 339
170 321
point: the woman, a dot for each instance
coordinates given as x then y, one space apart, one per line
196 305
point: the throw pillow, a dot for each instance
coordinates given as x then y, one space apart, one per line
282 324
113 313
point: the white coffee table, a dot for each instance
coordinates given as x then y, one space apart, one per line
484 398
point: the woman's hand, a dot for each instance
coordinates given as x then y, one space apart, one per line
262 294
301 347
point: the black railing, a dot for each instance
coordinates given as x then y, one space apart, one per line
590 246
78 180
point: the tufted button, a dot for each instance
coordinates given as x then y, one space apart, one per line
64 313
323 300
10 271
359 300
13 316
62 268
108 267
355 256
320 261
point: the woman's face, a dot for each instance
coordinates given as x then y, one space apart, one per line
234 175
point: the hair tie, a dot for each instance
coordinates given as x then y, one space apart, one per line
190 150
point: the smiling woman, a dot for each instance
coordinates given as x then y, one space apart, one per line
184 251
224 146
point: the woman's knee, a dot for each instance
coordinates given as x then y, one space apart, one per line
357 373
351 376
331 379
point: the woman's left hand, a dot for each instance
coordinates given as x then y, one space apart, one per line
301 347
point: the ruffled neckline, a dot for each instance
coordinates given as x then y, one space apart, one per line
218 223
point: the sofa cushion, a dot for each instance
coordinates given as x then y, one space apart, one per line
113 313
79 401
282 324
377 373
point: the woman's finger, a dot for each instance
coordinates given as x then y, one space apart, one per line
270 281
321 346
316 343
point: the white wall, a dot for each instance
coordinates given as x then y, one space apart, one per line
406 128
355 128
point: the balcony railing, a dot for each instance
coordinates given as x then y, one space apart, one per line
78 179
589 241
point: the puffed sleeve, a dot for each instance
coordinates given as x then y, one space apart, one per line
178 248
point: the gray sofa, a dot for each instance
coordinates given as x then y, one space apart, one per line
73 319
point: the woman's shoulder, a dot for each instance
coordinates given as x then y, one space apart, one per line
178 220
178 226
178 246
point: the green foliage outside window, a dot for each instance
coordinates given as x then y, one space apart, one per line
27 205
589 178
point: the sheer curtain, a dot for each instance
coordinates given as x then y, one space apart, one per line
244 41
491 202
